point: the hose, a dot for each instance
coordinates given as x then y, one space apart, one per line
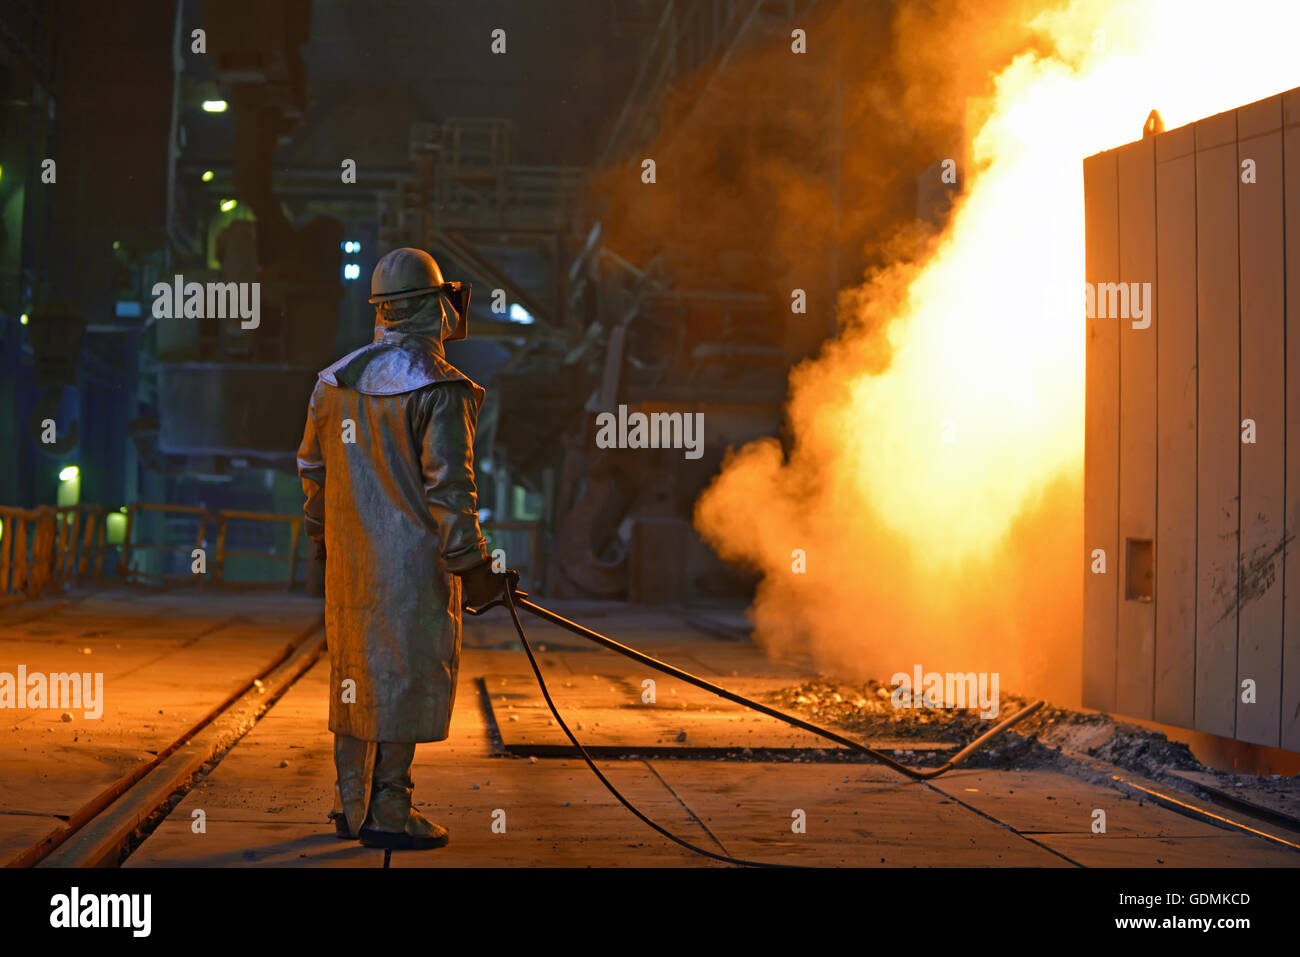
609 786
513 599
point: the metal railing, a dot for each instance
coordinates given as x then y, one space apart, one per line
51 548
224 518
134 511
24 547
220 520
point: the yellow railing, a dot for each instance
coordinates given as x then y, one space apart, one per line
221 519
54 547
24 538
224 518
49 546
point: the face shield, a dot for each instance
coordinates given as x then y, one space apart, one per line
456 296
441 310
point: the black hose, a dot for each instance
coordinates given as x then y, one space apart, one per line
510 594
918 775
541 682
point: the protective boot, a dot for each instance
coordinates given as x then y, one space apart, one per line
392 823
354 765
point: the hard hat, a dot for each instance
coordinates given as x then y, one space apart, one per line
406 273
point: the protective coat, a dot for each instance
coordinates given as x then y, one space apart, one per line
396 509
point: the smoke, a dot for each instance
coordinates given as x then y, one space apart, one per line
895 530
925 506
751 151
841 585
869 562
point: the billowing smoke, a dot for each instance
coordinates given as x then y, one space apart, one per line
926 504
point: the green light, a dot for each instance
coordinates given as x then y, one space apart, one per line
69 473
228 204
23 319
207 176
214 106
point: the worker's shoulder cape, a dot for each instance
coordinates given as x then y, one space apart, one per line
393 365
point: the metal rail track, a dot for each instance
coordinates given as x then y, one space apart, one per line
98 832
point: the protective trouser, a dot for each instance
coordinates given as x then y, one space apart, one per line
374 785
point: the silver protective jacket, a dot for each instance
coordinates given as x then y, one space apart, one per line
387 467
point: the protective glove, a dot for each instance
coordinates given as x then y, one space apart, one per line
481 585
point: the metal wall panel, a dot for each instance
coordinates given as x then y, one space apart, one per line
1193 431
1290 711
1101 446
1175 654
1135 648
1218 436
1263 378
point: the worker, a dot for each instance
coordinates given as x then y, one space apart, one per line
387 467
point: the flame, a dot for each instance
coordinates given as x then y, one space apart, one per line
933 488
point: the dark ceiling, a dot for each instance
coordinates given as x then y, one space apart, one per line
375 68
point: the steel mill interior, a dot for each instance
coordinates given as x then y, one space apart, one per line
621 434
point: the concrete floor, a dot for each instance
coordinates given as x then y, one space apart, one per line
168 658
